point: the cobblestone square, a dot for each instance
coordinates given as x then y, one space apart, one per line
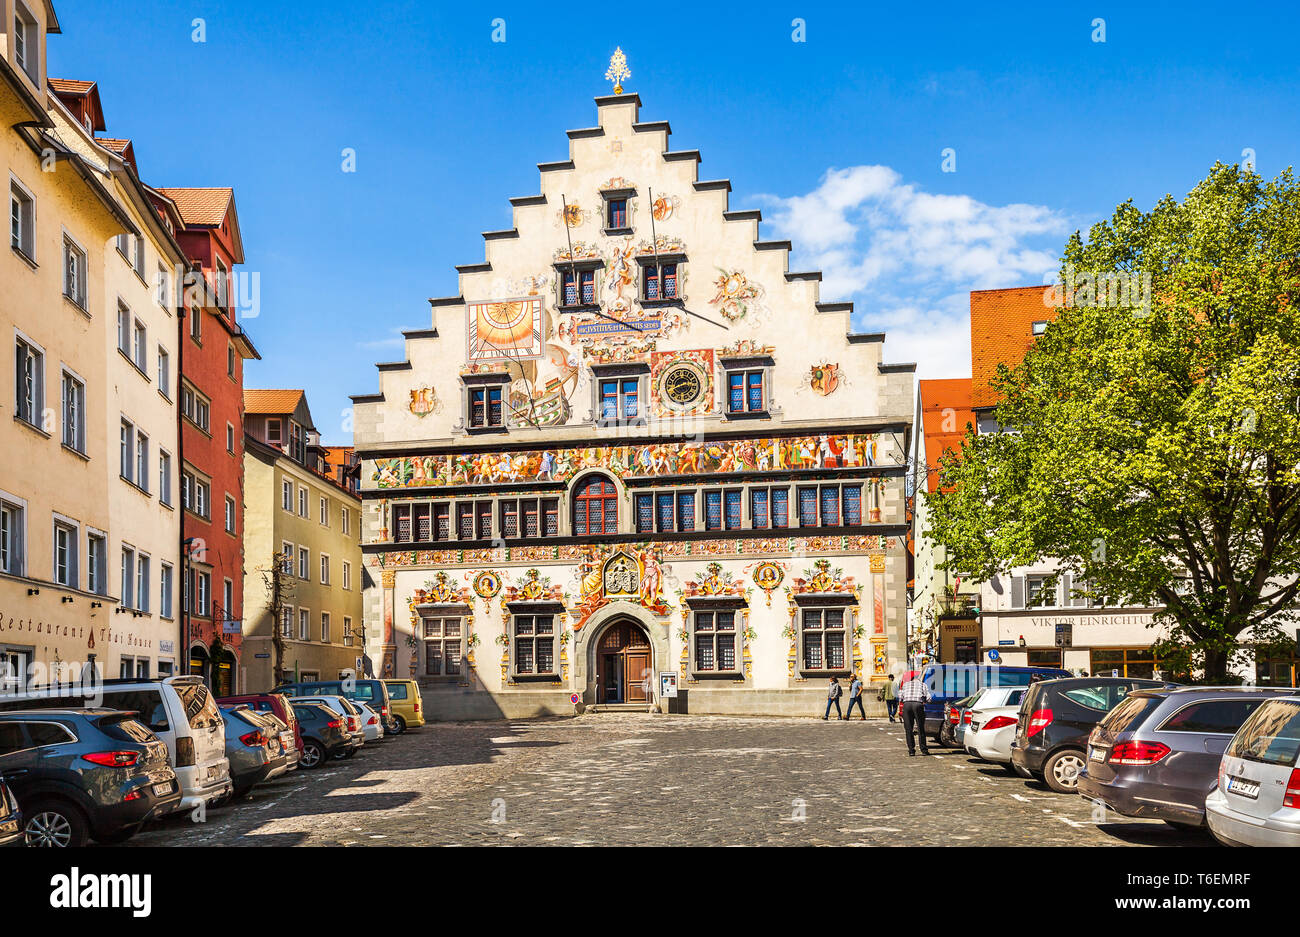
623 779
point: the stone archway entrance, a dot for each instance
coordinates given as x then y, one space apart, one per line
624 658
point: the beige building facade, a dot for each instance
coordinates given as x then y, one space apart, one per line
302 546
635 453
60 582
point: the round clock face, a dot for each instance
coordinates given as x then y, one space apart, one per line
682 385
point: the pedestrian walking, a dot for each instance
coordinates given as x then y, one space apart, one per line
833 693
855 698
914 694
889 696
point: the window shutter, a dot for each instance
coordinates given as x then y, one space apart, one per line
1080 601
1066 600
1017 591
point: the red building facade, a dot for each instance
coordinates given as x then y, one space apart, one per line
213 350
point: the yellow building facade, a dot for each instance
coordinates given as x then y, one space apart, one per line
302 547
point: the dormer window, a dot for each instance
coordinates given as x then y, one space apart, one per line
1038 328
659 281
274 432
578 287
26 43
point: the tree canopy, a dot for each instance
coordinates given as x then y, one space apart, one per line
1152 439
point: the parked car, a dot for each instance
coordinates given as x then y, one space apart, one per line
954 720
179 710
373 692
987 698
952 682
276 703
11 817
371 724
351 718
288 738
253 747
407 703
324 734
991 733
1156 755
1257 799
1055 719
84 773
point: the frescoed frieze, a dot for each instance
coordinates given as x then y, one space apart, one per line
650 460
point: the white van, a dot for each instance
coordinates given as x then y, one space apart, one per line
179 710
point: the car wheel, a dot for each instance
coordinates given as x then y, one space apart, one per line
945 737
399 725
57 824
1061 771
312 754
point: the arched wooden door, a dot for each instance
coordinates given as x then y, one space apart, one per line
623 662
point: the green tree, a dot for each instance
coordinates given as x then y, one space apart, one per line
1155 439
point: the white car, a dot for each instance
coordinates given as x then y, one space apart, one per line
993 697
991 732
1257 800
371 724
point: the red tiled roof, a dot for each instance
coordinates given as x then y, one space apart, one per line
201 206
117 146
274 402
1001 331
945 412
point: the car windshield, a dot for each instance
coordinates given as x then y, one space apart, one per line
1271 735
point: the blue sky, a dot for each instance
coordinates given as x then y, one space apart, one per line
838 139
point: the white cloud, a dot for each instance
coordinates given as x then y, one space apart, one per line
910 258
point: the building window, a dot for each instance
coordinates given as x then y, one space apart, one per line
665 512
230 514
347 575
74 413
286 622
442 646
347 631
286 495
162 286
195 407
745 391
230 438
275 433
142 579
223 285
530 517
142 461
126 450
13 537
325 627
97 564
595 507
578 287
165 591
769 507
724 510
343 514
485 409
74 272
324 569
227 600
302 502
620 399
22 220
1128 661
304 624
829 505
164 373
297 444
138 261
65 555
128 577
823 638
715 641
230 361
30 372
196 325
659 281
1038 328
324 512
194 494
164 477
26 43
465 521
304 563
616 213
534 644
1040 595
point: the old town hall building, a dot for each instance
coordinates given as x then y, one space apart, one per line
635 444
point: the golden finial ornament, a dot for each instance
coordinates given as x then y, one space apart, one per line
617 70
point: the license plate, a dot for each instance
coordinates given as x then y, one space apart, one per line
1243 787
1098 754
164 788
213 771
974 727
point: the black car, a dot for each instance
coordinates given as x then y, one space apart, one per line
1056 717
324 733
11 818
85 773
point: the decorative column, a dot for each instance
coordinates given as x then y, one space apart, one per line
388 648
